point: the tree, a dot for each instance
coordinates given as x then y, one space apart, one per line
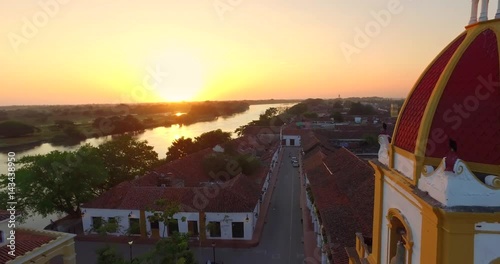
337 106
174 250
15 129
212 138
240 131
184 146
269 113
361 109
108 255
298 109
311 115
337 117
165 214
180 148
57 182
249 164
126 157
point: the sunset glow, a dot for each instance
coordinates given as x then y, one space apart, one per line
102 52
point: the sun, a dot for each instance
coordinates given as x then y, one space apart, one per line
184 76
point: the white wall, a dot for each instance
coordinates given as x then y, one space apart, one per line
183 225
288 138
122 215
396 197
226 226
404 165
4 227
486 245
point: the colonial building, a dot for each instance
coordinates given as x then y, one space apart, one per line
219 205
337 184
437 189
22 245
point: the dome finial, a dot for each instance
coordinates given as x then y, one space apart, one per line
473 12
484 11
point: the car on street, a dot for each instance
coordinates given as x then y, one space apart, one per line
295 164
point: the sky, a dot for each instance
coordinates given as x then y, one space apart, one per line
93 51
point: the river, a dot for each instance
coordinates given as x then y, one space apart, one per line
160 138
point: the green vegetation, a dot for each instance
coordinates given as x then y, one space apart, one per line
166 213
61 181
185 146
108 255
310 115
15 129
247 164
361 109
124 158
57 182
272 117
70 124
337 116
171 250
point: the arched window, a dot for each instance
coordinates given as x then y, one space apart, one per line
399 240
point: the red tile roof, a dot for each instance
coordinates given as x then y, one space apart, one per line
4 214
239 194
25 242
342 187
412 113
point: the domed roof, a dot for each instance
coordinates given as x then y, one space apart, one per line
457 97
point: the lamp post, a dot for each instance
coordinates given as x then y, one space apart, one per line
213 249
130 251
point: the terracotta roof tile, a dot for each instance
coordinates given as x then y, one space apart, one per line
25 242
412 113
342 187
4 215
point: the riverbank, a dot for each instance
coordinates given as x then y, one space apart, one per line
70 128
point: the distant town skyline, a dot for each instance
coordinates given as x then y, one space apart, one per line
81 52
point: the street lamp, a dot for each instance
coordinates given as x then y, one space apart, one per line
130 245
213 248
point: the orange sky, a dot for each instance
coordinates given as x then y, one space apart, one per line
163 50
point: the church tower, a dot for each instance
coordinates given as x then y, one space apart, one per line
437 184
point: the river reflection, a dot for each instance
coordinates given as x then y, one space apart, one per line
160 138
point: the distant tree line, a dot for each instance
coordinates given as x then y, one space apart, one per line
358 108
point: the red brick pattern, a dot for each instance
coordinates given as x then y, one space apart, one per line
411 115
476 127
25 242
343 193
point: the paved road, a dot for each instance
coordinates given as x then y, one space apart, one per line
281 241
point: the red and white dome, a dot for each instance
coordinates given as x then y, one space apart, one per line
457 97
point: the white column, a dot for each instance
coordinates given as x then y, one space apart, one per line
473 14
497 15
484 10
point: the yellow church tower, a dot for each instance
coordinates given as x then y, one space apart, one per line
437 184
